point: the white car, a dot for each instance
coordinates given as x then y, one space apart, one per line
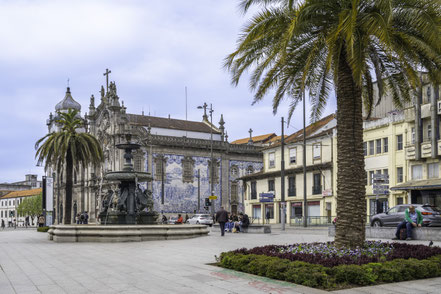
201 219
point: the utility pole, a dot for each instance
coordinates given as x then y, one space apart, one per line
199 190
282 181
305 203
212 160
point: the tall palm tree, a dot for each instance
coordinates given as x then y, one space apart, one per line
68 149
318 45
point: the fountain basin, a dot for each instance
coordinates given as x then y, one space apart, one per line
124 233
128 176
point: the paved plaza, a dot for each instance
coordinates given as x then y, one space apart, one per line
29 263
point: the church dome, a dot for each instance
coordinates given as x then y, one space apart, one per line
68 103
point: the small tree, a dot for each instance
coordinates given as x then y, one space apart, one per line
31 206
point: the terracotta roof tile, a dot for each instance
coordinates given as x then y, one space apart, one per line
256 139
170 123
23 193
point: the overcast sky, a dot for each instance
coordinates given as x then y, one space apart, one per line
154 49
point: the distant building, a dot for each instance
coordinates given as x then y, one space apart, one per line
263 189
176 152
9 204
30 182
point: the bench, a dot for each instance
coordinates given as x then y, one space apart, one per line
424 233
252 229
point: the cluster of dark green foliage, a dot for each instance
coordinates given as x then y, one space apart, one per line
337 277
42 229
398 250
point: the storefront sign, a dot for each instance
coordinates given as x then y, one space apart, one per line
266 197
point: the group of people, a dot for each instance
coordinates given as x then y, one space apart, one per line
231 222
82 219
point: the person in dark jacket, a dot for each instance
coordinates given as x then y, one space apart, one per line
222 218
244 222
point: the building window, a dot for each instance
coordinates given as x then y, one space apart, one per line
433 170
317 186
292 186
160 168
271 185
269 208
234 193
400 142
257 211
429 132
272 159
292 155
138 163
417 172
75 177
378 143
365 148
371 147
399 174
413 135
215 171
317 151
250 170
385 145
234 171
253 190
188 169
385 171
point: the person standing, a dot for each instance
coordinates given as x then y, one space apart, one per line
3 224
222 218
268 215
27 221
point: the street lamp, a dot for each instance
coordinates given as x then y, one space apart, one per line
210 110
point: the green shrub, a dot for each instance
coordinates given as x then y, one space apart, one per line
42 229
318 276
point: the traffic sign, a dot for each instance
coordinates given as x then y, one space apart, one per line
212 197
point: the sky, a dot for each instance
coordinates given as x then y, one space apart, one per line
154 49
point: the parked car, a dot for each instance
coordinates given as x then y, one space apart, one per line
172 220
395 215
203 219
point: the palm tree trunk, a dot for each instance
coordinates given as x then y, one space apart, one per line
69 179
351 177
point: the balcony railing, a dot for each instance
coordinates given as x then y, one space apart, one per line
292 192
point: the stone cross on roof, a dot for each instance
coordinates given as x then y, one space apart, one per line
250 141
107 77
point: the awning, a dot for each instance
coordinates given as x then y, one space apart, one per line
419 185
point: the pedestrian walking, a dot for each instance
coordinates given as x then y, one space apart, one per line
86 217
222 218
3 224
27 221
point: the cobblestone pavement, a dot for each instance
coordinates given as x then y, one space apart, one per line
29 263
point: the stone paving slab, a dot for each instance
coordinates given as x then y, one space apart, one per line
32 264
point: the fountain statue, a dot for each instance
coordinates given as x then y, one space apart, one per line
128 204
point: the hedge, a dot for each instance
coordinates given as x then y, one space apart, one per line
328 278
42 229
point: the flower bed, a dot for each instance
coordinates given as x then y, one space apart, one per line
322 265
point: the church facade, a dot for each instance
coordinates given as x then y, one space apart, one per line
176 152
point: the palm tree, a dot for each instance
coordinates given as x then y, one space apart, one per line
318 45
68 149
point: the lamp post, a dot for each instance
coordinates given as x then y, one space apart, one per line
210 110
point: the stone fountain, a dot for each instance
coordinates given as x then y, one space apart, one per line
127 213
128 204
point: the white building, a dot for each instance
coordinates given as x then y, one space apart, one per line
9 204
